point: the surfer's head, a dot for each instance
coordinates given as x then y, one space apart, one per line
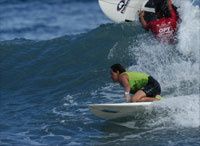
118 67
161 10
115 71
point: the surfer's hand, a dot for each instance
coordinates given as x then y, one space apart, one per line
169 2
127 97
141 13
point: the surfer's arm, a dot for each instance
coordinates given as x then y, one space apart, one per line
169 3
142 20
124 82
172 12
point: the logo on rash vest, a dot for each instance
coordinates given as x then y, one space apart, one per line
122 5
165 28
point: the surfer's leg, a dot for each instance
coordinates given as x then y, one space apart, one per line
140 96
152 89
147 99
148 92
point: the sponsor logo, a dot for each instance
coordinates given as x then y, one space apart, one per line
165 28
122 5
166 31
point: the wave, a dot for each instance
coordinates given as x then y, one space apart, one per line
72 59
35 20
77 66
45 1
68 59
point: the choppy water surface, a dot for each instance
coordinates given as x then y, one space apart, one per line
47 84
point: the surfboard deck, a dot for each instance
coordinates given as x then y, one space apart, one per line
123 10
118 110
127 10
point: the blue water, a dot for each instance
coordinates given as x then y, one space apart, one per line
54 61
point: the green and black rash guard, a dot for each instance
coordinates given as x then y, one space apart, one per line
136 80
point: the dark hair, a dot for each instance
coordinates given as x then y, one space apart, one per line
162 9
118 67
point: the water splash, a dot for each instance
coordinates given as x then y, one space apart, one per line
176 67
181 111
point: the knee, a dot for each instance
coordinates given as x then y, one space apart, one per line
141 99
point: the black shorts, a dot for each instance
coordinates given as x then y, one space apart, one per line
152 88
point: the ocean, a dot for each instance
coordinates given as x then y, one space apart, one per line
55 60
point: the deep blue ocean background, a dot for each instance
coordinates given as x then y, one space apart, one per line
55 57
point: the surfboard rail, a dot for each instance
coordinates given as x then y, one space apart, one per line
117 110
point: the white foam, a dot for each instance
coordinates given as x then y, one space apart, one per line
112 51
181 111
176 67
109 93
174 112
70 100
74 144
189 29
53 135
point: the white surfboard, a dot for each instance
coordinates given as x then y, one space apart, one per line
123 10
118 110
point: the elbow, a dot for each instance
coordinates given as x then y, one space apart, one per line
145 27
144 24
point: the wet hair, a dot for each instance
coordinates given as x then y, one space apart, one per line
118 67
163 10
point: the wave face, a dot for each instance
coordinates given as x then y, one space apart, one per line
48 19
46 86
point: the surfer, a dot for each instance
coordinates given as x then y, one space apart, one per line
163 28
144 87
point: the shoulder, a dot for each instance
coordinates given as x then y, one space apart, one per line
123 79
156 23
123 76
153 22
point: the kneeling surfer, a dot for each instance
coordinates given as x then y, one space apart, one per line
144 87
